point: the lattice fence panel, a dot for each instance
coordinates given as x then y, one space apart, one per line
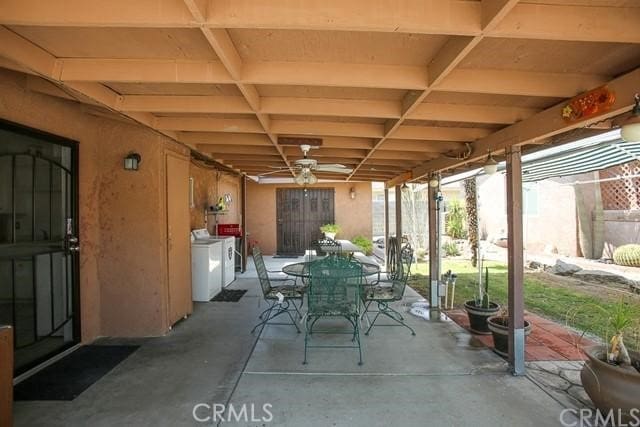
621 194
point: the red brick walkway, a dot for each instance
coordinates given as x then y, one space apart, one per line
548 340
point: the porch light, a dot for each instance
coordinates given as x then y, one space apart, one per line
305 177
434 182
490 166
352 193
404 188
630 130
132 161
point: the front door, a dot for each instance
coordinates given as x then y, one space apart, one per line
38 243
300 214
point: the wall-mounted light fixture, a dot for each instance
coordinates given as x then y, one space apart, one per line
630 130
434 182
132 161
352 193
490 166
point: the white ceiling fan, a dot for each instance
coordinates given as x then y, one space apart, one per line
305 167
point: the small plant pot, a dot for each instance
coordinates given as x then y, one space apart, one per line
499 327
611 387
478 316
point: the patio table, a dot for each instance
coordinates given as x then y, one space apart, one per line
346 246
302 269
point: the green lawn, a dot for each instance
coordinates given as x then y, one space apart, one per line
567 305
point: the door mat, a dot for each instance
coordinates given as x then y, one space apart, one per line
67 378
229 295
286 256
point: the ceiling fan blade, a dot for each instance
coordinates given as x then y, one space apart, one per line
333 168
272 172
278 167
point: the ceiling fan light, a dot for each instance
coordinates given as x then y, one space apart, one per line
311 179
490 166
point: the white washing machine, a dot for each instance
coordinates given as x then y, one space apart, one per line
228 252
206 269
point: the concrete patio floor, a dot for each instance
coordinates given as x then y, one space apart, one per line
442 376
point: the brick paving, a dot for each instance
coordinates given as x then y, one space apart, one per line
548 340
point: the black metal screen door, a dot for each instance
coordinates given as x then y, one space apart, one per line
38 244
300 214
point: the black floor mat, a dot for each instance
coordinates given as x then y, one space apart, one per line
229 295
67 378
287 256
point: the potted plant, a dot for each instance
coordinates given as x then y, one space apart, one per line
330 230
611 375
480 309
499 327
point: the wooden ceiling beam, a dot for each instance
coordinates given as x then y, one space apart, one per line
401 155
301 127
443 64
335 74
206 124
185 104
507 82
237 149
327 152
421 146
449 17
440 133
471 113
545 124
527 83
224 138
330 107
223 46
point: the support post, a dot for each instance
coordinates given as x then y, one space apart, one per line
6 375
243 222
399 214
515 260
434 247
386 227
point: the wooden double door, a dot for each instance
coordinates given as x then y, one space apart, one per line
300 214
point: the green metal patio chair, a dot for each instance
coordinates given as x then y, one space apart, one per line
289 293
388 291
334 292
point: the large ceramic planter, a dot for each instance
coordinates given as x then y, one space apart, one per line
499 327
611 387
478 316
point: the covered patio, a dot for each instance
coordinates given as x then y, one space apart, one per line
165 116
440 374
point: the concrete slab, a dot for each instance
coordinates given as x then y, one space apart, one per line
370 400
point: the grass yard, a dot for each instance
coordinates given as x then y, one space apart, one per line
558 299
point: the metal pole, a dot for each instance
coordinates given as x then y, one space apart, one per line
386 227
434 247
515 257
399 214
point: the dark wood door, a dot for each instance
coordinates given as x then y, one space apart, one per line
300 213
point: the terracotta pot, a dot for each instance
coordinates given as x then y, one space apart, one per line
478 316
611 387
499 327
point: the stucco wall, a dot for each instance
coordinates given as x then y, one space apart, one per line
210 184
353 215
122 221
554 224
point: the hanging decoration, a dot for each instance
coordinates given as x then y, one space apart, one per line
588 104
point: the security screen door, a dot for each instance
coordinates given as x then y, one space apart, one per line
38 243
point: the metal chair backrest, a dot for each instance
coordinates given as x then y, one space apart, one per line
263 275
335 286
333 247
403 267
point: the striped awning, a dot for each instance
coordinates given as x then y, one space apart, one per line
580 160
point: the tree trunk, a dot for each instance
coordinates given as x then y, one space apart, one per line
471 201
